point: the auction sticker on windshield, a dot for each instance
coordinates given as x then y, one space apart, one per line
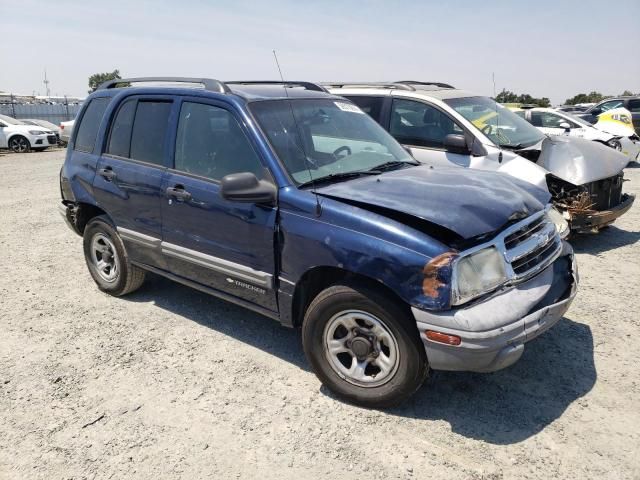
348 107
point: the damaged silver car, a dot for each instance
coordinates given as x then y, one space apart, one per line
447 126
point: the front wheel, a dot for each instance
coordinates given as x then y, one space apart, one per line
108 261
363 346
19 144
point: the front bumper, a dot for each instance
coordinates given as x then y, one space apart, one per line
590 222
493 332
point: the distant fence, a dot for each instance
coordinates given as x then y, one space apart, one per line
53 113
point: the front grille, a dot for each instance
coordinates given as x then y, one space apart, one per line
606 193
52 139
531 245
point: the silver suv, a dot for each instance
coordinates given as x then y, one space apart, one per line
443 125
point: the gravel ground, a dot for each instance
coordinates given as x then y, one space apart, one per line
172 383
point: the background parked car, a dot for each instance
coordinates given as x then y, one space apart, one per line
630 103
571 108
44 124
21 138
553 122
66 129
443 125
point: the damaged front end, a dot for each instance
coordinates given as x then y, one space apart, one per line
585 181
591 206
535 279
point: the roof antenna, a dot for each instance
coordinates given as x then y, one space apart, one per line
301 146
495 99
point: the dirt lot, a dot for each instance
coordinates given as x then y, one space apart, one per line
171 383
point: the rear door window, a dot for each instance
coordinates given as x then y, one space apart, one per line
120 136
90 123
372 106
149 131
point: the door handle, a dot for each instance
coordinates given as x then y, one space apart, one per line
107 173
179 193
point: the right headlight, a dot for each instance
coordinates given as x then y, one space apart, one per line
476 274
562 226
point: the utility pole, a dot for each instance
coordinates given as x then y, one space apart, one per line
46 84
13 106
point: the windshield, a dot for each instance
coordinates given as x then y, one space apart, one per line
497 122
327 138
11 121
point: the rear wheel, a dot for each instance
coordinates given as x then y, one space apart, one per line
363 346
19 144
107 259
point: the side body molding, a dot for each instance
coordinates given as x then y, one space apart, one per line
248 274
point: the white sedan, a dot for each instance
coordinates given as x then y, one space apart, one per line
554 122
21 138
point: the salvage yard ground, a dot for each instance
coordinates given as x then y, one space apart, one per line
171 383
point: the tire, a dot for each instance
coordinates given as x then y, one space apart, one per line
19 144
330 318
115 275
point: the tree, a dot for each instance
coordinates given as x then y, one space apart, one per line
593 97
98 78
506 96
627 93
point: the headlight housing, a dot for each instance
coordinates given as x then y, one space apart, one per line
562 226
36 132
476 274
615 144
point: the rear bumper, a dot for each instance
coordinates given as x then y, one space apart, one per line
68 213
589 222
517 316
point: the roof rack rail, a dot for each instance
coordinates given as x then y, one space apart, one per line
208 83
435 84
392 85
306 85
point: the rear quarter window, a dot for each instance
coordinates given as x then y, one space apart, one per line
90 123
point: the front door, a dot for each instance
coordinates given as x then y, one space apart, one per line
224 245
128 181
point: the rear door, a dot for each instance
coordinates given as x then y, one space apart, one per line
224 245
128 181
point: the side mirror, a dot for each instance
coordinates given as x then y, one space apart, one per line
566 126
245 187
456 143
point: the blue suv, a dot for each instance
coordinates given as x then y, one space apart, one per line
292 202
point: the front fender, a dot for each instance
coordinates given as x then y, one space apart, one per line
308 241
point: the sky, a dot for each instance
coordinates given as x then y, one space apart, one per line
545 48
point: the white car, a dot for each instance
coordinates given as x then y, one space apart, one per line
553 122
442 125
21 138
66 128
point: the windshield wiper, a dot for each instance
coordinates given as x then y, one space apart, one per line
392 165
517 146
337 176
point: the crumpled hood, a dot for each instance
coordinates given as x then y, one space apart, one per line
467 202
580 161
